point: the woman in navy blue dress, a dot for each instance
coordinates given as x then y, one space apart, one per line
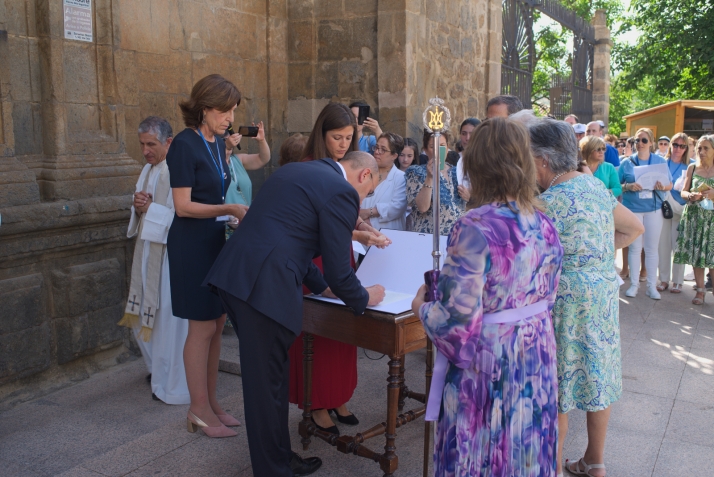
199 181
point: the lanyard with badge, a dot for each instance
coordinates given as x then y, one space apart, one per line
221 173
643 194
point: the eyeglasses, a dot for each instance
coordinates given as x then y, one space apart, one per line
643 140
600 149
664 143
380 150
679 146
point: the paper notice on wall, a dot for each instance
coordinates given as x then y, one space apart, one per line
707 124
78 20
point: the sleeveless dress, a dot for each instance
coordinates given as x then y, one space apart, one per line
695 245
499 411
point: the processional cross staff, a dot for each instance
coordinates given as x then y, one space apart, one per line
437 120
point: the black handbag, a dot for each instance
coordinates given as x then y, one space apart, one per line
667 212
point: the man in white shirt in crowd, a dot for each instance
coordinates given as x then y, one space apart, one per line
160 335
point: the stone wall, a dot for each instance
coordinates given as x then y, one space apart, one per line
69 156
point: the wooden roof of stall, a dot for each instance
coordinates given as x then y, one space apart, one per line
687 103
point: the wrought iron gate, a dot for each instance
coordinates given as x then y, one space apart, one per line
568 94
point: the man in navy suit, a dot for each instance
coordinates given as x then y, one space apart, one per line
302 211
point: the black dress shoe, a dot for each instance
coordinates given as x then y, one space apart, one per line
153 396
332 429
301 466
350 420
148 378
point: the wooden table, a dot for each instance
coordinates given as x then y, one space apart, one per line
393 335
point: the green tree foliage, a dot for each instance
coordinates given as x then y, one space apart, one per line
674 53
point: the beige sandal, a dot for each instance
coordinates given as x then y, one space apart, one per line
676 288
587 467
699 300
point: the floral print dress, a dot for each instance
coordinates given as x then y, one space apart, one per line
587 309
498 414
695 245
452 206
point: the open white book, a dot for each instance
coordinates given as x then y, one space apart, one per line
399 268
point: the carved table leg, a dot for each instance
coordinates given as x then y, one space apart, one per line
428 450
402 388
306 423
389 460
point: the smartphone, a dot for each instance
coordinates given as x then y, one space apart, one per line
363 114
248 131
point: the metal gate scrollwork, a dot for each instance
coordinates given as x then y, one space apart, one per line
571 94
518 50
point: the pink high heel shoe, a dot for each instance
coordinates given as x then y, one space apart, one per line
193 423
228 420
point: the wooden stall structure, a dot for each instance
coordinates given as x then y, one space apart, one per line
695 118
393 335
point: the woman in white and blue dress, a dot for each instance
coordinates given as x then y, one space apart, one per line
386 208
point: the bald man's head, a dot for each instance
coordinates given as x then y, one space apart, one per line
594 129
362 172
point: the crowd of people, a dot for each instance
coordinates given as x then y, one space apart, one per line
527 310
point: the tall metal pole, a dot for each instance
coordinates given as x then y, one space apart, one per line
435 200
437 120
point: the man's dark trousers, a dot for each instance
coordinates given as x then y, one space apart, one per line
265 368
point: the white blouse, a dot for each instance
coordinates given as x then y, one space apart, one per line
390 199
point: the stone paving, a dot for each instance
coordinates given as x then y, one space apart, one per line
108 425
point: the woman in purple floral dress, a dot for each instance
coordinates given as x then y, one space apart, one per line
499 407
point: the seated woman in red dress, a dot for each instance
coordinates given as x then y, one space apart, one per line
334 366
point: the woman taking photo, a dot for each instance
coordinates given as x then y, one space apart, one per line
420 182
677 163
241 188
199 182
385 209
334 369
592 149
646 204
492 320
408 156
695 245
591 224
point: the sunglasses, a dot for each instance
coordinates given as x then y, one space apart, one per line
679 146
600 149
643 140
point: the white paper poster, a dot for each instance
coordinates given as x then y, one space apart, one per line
78 20
648 176
399 268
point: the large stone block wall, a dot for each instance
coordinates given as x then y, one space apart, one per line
69 160
69 110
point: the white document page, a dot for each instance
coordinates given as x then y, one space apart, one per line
399 268
648 176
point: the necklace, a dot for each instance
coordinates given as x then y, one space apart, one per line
556 178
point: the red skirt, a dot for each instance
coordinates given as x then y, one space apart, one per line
334 370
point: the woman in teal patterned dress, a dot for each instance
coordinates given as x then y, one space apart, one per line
498 405
586 313
695 245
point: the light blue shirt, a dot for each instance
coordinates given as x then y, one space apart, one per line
366 143
631 199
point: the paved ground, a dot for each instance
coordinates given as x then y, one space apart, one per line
108 425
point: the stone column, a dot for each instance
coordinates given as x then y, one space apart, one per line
601 68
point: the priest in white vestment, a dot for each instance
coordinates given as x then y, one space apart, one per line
160 335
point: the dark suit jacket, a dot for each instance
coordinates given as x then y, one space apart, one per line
303 210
